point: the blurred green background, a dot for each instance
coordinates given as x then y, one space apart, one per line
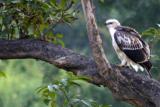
23 77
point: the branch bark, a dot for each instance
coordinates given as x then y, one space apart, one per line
125 84
95 40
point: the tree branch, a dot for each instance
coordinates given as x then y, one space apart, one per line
95 40
55 55
125 84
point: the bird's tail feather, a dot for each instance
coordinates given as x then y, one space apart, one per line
147 65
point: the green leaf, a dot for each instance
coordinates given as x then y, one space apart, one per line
41 90
86 103
52 95
30 30
75 83
54 4
52 103
2 74
1 20
59 41
63 4
46 101
60 36
53 1
46 6
149 32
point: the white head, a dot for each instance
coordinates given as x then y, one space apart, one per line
112 23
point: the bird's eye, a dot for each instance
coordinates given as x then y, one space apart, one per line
109 23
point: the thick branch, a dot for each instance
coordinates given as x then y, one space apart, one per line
56 55
126 84
95 40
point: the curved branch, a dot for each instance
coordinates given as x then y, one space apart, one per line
125 84
95 40
55 55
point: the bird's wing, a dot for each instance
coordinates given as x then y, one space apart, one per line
130 42
129 30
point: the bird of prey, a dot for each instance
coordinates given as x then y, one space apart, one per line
129 46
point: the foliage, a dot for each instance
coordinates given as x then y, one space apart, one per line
61 89
22 78
2 74
35 18
152 34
